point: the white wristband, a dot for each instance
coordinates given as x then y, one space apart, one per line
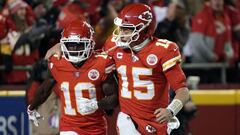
175 106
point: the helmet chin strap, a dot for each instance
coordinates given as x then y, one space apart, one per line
134 57
137 48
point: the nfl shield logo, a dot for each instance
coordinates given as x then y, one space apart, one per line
77 74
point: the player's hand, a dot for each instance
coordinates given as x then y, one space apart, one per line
34 116
87 106
56 49
163 115
173 123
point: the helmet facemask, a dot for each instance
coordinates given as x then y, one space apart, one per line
76 49
118 36
138 29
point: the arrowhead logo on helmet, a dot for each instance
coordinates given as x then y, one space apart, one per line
146 16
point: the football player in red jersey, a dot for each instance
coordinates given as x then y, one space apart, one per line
147 67
79 76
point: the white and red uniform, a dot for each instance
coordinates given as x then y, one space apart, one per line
75 83
144 84
215 30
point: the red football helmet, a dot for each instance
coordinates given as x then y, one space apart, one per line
77 42
138 17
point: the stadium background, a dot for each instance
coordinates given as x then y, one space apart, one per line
216 95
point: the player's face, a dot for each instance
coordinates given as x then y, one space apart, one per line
76 49
73 47
127 32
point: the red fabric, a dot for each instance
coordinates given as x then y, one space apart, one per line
91 6
68 14
161 129
3 27
72 84
25 60
238 5
58 3
234 16
20 76
57 92
204 22
92 9
91 126
176 77
159 3
6 24
10 24
143 85
15 77
31 17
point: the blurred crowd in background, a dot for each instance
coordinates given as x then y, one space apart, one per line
206 31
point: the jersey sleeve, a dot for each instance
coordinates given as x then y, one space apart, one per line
176 77
52 66
170 62
171 56
234 16
110 66
107 64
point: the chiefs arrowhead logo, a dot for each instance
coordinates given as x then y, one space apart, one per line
150 129
146 16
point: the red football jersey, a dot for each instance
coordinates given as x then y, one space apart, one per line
217 29
144 84
74 83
